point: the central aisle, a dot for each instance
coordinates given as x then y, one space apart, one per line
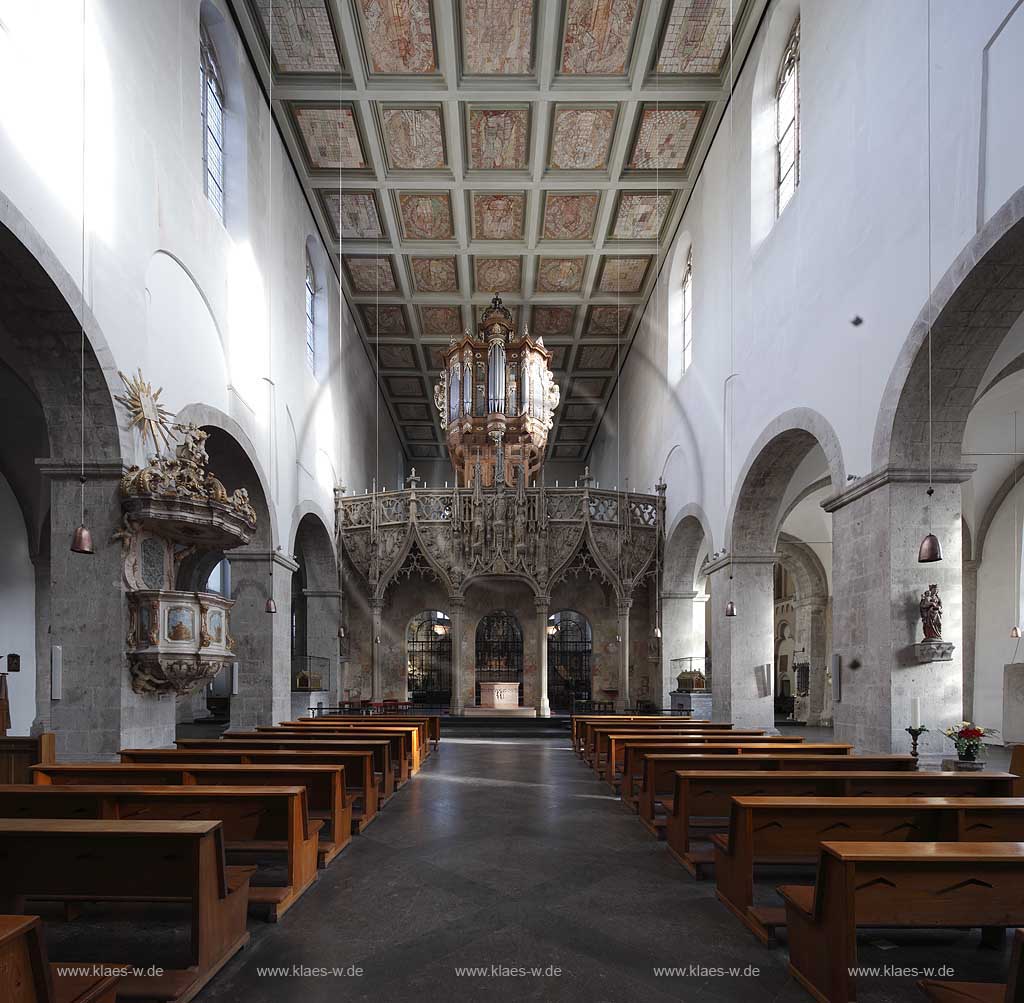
507 852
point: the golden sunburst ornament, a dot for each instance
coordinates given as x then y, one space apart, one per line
146 412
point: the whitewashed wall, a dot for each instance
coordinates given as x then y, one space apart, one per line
212 313
772 302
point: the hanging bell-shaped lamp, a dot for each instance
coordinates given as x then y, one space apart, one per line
271 606
81 542
1015 633
657 632
930 550
730 608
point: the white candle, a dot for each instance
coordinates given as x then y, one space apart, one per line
915 712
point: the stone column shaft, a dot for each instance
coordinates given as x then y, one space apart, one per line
743 646
376 625
542 604
622 700
678 640
456 611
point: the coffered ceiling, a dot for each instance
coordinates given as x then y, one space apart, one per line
540 149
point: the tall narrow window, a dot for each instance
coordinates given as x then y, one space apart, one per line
212 113
310 314
686 355
787 122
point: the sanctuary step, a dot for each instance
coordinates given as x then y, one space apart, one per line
505 727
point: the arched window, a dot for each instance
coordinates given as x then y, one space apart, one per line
310 314
212 113
686 355
787 122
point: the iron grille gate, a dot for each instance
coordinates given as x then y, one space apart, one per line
570 645
429 650
499 651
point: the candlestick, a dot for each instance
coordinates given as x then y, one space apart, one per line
915 732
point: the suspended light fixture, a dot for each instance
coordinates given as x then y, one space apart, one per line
81 541
930 550
730 606
1015 633
271 606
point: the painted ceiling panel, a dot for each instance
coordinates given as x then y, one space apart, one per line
454 149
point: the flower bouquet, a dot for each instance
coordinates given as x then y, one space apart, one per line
967 739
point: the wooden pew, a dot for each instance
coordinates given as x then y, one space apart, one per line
255 819
894 885
707 796
605 736
788 830
17 755
429 724
417 748
594 747
380 747
659 771
360 782
1017 760
28 978
1011 991
580 722
587 728
134 862
326 798
620 745
403 762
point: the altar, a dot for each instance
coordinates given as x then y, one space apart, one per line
500 700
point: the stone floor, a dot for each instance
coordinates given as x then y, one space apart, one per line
509 853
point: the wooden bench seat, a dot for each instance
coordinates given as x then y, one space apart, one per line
255 819
594 748
409 737
1011 991
380 747
788 830
706 796
27 977
887 884
326 798
429 724
613 761
653 802
357 764
400 752
153 861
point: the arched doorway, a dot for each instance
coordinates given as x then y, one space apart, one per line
428 647
570 645
499 651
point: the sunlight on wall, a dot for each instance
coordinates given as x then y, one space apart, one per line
247 329
324 424
44 120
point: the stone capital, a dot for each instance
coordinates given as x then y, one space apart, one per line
728 560
624 606
278 557
891 474
812 603
456 603
678 595
542 603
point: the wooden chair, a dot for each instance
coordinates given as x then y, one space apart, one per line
894 885
788 830
28 978
1011 991
255 820
134 862
705 797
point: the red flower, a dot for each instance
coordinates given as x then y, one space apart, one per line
971 733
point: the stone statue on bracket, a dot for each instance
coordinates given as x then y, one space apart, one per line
931 614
